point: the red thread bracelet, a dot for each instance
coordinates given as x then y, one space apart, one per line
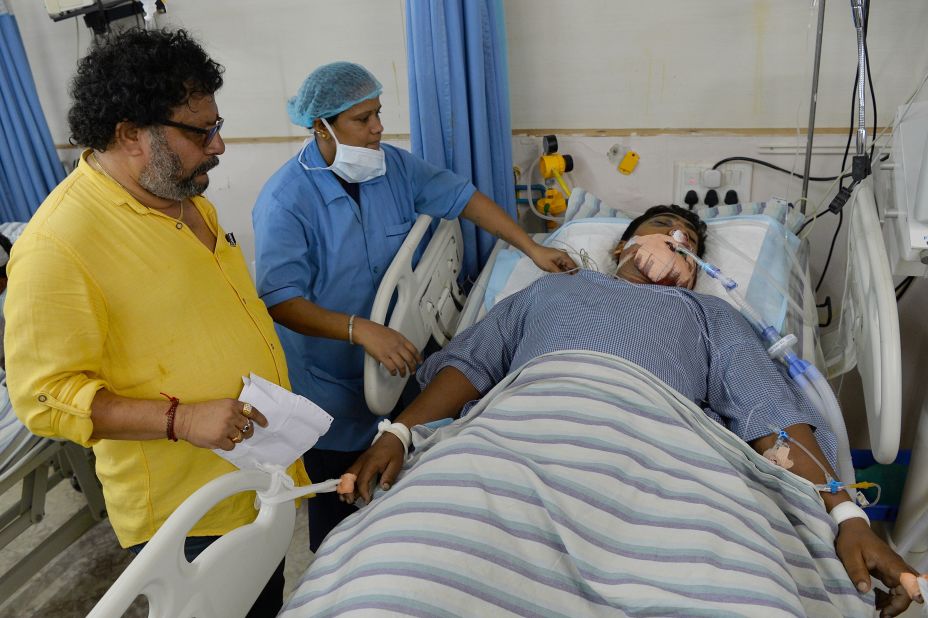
172 411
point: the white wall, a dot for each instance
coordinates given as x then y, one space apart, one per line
673 79
685 64
268 48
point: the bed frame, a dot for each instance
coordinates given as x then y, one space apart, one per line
37 467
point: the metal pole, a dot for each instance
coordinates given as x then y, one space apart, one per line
857 11
812 101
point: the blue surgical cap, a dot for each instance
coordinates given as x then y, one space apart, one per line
330 90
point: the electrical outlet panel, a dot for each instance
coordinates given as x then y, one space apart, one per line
691 177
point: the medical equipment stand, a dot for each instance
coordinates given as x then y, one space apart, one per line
812 102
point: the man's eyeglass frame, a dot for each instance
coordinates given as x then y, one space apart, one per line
208 134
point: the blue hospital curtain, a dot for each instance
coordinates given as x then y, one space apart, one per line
459 101
29 165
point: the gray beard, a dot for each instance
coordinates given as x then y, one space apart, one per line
163 175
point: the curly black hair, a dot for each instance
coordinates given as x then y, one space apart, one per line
699 226
137 76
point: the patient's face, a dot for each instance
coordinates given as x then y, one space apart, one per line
665 223
662 224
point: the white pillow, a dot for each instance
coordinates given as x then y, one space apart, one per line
754 250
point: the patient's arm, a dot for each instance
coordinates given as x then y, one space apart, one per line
444 397
859 548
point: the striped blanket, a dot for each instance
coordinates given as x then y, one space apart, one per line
584 486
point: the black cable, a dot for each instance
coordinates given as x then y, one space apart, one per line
774 167
903 287
808 221
825 305
847 146
831 250
869 76
872 100
850 132
821 214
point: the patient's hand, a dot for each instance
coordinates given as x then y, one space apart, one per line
551 260
388 347
864 553
384 458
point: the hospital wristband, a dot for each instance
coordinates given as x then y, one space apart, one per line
399 430
847 510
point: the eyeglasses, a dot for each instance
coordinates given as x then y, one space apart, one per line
208 134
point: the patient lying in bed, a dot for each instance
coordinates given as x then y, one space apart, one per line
696 345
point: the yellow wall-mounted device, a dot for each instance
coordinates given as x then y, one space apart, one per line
553 165
629 162
552 204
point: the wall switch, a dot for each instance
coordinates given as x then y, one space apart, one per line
712 178
700 177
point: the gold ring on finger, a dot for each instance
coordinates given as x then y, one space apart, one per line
246 410
237 438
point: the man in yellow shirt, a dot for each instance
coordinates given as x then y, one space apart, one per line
131 314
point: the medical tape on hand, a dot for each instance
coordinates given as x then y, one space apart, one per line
399 430
847 510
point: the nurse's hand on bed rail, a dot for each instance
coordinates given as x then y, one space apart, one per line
385 459
551 260
388 347
864 554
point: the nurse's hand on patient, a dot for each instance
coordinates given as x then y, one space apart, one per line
388 347
383 459
551 260
220 423
864 553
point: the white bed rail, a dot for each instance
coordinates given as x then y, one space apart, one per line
868 332
428 303
206 587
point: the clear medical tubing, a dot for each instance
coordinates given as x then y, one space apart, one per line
531 204
804 373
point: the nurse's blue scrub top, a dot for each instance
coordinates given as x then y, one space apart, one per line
312 240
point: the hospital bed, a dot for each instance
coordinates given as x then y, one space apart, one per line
400 540
867 335
34 466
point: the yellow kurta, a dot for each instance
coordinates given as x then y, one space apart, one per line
106 293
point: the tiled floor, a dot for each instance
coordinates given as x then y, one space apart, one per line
72 584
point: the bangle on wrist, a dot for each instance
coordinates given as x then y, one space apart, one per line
351 330
170 415
847 510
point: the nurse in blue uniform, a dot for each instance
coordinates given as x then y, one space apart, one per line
327 225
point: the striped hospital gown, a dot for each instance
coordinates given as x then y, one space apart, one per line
697 344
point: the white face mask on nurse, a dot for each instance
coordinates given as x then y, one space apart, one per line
352 146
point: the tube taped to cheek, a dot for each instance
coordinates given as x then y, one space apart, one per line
659 263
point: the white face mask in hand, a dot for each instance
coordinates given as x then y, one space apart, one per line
353 163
